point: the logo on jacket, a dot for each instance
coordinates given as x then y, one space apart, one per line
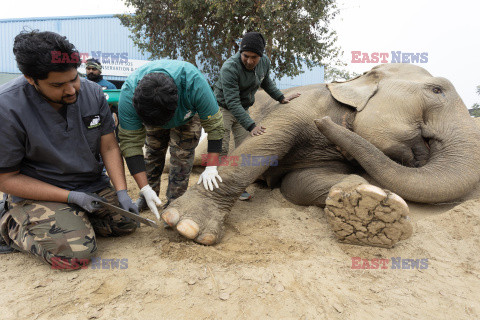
188 115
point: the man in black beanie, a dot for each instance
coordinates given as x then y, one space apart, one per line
240 77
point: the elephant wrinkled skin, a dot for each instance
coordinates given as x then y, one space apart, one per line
409 131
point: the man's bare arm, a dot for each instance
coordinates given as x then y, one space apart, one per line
113 161
26 187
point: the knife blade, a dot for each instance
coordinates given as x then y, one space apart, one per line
129 214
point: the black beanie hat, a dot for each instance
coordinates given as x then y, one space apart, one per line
254 42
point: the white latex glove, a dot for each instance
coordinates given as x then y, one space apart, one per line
208 177
152 199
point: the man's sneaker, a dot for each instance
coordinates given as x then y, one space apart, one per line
4 247
141 204
245 196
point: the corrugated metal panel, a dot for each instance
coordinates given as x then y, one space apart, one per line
88 33
6 77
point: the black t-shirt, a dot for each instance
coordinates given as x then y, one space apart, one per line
63 112
38 141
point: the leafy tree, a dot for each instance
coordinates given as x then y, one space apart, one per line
475 110
207 32
335 71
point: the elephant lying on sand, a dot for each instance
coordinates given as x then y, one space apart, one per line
409 131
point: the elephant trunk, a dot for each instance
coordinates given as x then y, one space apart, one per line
449 174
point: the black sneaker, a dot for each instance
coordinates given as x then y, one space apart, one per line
4 247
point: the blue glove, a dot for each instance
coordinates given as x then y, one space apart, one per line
126 202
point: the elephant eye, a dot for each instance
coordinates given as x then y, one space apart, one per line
437 90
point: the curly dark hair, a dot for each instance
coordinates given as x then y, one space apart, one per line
155 99
37 52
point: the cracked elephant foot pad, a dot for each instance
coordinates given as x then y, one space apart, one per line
368 215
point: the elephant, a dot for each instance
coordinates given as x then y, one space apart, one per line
406 129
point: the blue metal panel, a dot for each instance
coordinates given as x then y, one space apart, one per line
57 18
88 33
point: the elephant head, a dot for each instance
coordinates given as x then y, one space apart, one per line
419 122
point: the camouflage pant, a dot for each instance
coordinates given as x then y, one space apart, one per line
58 233
231 124
182 141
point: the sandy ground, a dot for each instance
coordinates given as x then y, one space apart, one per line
276 261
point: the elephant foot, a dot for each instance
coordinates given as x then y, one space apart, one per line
195 217
367 215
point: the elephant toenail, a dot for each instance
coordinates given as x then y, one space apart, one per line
207 239
371 191
171 216
334 193
401 204
188 228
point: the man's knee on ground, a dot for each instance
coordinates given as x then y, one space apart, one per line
78 258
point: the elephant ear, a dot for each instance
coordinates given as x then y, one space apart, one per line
355 92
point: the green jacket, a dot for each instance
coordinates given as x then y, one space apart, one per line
236 87
194 96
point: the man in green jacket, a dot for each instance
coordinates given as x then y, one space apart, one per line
166 103
240 77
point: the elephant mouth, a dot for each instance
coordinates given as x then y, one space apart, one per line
414 153
421 152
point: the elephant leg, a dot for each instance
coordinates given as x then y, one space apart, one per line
363 214
358 212
310 186
199 214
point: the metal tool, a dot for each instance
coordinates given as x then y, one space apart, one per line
129 214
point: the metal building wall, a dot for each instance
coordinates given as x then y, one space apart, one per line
101 33
88 33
